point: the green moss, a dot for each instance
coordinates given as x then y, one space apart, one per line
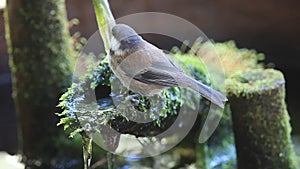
39 46
40 52
260 119
231 57
257 81
235 59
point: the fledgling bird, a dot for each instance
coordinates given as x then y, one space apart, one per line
146 69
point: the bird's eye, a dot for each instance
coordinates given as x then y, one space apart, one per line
111 52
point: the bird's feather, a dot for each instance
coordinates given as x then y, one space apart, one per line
156 77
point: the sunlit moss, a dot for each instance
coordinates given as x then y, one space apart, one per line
254 82
235 59
231 57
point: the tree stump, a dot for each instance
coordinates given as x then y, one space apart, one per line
260 120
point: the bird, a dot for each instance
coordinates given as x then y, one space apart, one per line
145 69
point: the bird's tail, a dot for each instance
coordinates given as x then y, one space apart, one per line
209 93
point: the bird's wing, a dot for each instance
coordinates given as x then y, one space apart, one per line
159 70
164 73
156 77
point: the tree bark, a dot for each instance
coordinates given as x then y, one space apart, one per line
40 50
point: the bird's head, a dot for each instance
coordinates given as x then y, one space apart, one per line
123 39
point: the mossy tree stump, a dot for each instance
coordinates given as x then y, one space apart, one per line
40 49
260 120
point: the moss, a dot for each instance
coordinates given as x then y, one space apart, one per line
235 59
39 46
40 51
260 119
253 82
